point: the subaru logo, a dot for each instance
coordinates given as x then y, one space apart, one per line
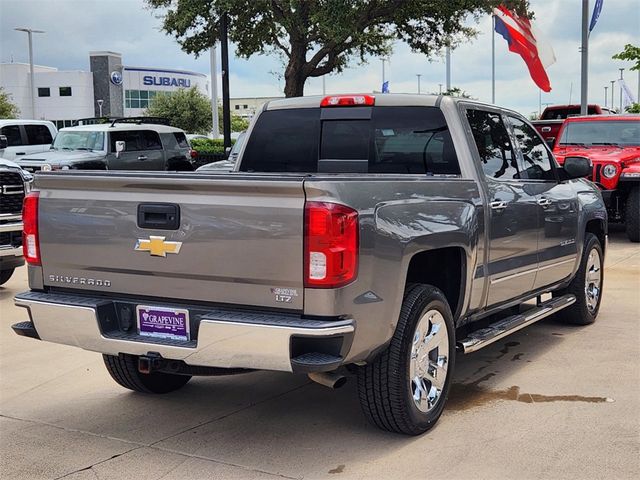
116 78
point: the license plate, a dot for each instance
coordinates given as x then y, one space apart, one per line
162 322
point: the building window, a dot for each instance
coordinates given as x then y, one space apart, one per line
139 98
245 106
237 107
44 92
65 91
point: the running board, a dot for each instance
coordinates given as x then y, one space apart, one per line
494 332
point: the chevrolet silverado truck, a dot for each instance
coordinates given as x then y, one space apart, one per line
359 235
553 117
612 143
14 183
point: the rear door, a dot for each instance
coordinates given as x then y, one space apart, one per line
512 209
557 205
143 151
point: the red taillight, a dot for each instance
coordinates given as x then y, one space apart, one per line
348 100
30 242
331 245
193 153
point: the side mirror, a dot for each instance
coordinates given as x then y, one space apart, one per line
120 147
577 167
3 142
227 151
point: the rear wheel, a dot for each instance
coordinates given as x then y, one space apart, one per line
124 370
632 214
586 285
404 390
5 275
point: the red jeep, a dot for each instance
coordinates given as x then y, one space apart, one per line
612 142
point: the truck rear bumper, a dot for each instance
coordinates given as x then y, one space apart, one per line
224 338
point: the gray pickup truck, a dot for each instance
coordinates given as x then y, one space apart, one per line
358 236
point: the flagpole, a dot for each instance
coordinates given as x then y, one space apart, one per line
493 59
584 71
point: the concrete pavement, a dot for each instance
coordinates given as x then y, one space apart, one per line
550 401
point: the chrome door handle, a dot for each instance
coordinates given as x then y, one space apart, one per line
142 157
21 153
498 205
544 202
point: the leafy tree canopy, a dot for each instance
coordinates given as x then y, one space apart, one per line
630 53
190 110
8 109
454 92
317 37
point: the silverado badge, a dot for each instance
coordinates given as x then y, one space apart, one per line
157 246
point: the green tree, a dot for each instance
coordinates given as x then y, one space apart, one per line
454 92
317 37
238 124
633 108
8 109
188 109
630 53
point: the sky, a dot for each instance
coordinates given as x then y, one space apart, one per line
75 27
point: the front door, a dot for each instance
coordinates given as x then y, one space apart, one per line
557 205
143 151
512 210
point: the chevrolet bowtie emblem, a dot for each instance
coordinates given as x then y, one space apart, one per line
157 246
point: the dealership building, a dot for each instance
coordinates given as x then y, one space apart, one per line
109 88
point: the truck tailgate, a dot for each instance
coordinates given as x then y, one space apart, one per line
240 236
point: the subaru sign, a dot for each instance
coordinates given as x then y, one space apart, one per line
116 77
166 81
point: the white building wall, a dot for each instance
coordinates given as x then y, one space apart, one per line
14 79
59 108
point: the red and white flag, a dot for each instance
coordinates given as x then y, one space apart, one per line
527 42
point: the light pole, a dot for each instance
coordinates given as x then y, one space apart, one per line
612 90
30 32
100 102
440 89
621 70
606 96
418 75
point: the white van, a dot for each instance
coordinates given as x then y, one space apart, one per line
26 136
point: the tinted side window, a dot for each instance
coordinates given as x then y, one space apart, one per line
38 134
131 138
284 141
151 140
494 146
181 139
12 132
412 140
536 161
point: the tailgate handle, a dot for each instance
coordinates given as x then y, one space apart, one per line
160 216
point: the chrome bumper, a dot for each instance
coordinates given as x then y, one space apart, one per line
220 343
9 251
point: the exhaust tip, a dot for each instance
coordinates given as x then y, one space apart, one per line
328 379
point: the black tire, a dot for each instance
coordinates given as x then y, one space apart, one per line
632 214
385 387
124 370
580 313
5 275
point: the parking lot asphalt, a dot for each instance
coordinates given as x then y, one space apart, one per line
550 401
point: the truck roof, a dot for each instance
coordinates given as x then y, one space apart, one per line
381 99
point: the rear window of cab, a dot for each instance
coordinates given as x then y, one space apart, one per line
413 140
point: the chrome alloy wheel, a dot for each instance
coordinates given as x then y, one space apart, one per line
429 360
593 280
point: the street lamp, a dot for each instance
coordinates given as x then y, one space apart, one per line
606 96
418 75
440 90
612 90
100 102
31 31
621 70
